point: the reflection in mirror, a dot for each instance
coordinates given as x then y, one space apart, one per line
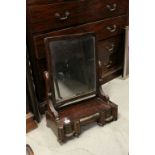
74 69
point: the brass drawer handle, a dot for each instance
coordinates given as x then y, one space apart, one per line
111 48
70 134
109 119
112 28
89 118
109 64
100 63
111 7
62 18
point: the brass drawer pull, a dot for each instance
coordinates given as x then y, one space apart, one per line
89 118
111 48
111 7
62 18
112 28
70 134
109 119
100 63
109 64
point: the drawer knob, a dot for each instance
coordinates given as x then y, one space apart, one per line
62 18
111 48
111 7
112 28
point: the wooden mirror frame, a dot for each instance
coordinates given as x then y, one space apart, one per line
50 65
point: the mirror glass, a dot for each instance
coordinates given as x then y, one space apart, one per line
74 68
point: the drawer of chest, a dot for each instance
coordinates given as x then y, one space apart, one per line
110 54
60 15
103 29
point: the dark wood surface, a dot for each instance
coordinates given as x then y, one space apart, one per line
36 2
82 109
85 16
31 99
99 28
71 13
110 54
93 110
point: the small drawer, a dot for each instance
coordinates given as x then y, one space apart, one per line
110 53
109 46
103 29
60 15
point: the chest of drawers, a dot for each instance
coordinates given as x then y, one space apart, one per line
106 18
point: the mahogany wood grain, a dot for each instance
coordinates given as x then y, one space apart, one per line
93 110
83 108
99 28
69 13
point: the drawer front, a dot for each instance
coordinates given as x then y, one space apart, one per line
103 29
61 15
110 54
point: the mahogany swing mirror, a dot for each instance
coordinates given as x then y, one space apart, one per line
72 85
73 65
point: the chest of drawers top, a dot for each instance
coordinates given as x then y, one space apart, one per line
46 15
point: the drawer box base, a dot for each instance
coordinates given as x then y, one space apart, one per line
71 122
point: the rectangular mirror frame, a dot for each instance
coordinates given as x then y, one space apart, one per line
50 65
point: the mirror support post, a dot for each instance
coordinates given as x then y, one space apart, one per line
103 95
49 94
